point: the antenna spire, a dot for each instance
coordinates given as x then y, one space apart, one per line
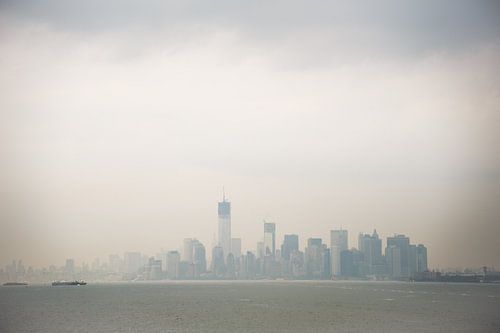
223 194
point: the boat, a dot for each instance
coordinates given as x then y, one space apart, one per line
15 284
69 283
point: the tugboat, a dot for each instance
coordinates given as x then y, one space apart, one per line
69 283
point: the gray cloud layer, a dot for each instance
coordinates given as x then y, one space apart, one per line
400 27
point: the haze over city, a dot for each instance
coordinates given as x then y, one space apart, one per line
120 123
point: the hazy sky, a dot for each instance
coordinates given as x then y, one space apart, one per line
120 121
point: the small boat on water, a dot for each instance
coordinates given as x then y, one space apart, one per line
69 283
7 284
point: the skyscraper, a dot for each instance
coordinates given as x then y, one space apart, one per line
290 243
393 259
338 243
163 257
314 257
269 239
173 260
371 247
187 250
326 262
412 259
199 259
402 243
260 250
351 263
248 268
218 265
421 258
224 213
154 269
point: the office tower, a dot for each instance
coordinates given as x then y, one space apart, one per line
393 260
326 261
236 247
218 263
248 265
187 250
365 247
187 270
260 250
173 260
290 243
347 263
199 263
230 266
162 256
403 244
270 267
351 263
154 269
338 243
297 264
224 213
133 261
199 259
313 257
371 248
421 258
269 239
412 259
314 242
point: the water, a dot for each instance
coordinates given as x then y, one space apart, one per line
252 307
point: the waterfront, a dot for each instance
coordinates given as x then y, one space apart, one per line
257 306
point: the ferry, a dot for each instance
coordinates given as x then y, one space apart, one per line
69 283
15 284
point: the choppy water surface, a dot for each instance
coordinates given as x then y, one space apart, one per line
252 307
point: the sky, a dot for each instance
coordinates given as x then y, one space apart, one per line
121 121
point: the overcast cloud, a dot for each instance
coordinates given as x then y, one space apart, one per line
121 120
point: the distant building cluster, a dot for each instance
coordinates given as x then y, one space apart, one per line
399 260
318 260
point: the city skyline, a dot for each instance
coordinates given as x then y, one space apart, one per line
401 261
318 261
338 242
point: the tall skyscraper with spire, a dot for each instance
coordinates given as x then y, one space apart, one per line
224 213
